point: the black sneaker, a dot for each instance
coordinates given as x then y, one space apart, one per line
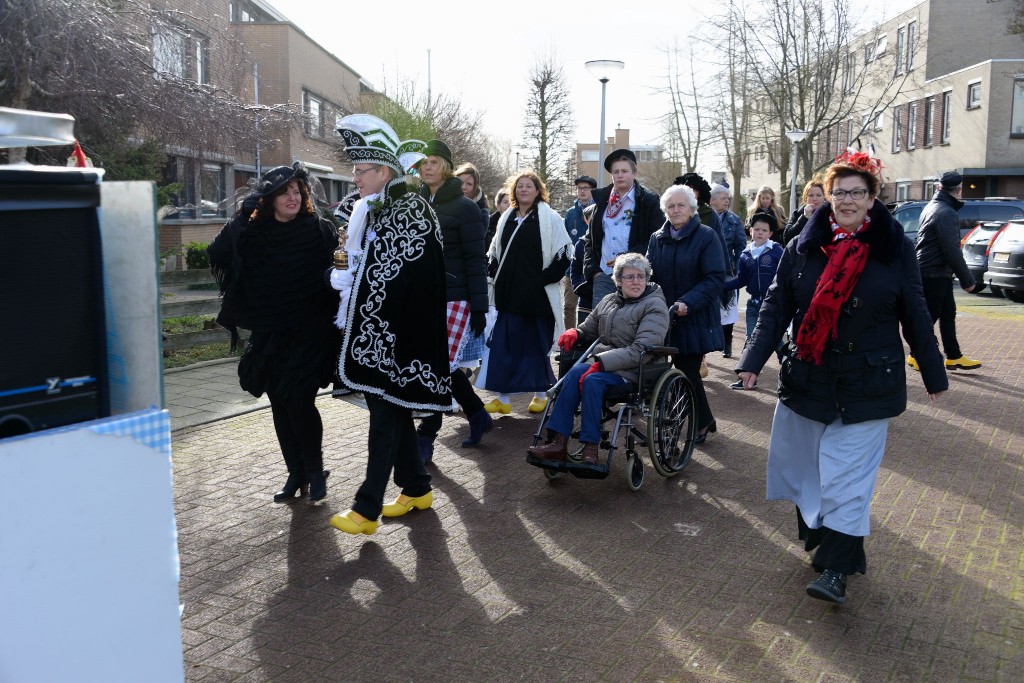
830 586
738 384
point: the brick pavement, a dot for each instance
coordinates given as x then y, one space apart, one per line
695 578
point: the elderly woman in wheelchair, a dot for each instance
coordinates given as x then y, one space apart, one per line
629 327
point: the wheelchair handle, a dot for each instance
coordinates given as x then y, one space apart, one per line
550 393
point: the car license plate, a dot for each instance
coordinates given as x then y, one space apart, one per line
1000 257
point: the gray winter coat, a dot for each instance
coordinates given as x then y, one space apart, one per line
938 240
626 328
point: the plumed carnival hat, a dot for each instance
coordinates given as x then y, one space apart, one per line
369 140
276 178
764 216
951 179
616 155
696 182
436 148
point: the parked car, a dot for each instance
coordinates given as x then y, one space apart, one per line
973 212
976 247
1006 261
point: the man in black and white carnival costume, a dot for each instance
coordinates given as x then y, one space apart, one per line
395 346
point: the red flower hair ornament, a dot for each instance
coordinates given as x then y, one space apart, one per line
862 161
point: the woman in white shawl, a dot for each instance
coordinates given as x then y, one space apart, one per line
527 259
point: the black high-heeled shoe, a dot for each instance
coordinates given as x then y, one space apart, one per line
317 486
296 483
702 435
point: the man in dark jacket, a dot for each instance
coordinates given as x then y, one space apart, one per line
577 228
939 257
627 215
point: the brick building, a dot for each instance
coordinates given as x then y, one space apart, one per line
961 106
250 49
654 170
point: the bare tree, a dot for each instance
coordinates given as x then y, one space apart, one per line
128 72
686 123
442 116
1016 23
805 76
549 127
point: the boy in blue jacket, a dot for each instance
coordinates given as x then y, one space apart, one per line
758 263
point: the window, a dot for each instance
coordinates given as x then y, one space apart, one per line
879 121
313 110
902 192
211 189
589 155
850 72
929 120
973 95
947 101
901 50
869 53
930 186
1017 109
246 11
883 42
911 44
180 53
897 115
912 125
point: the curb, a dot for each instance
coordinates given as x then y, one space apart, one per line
202 364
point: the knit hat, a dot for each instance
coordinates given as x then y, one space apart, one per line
764 216
276 178
369 140
951 179
616 155
436 148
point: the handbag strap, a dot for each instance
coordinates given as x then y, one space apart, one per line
504 252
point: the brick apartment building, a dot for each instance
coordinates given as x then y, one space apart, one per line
251 50
654 170
961 106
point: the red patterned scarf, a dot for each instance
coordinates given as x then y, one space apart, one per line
846 260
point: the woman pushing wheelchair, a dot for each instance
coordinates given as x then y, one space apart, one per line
624 323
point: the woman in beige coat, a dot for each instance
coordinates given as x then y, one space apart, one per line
625 322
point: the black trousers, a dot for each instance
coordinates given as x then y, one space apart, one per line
462 390
300 432
938 294
690 366
836 550
392 446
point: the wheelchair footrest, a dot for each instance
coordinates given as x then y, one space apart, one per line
585 471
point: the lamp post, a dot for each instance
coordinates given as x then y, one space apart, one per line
603 69
796 136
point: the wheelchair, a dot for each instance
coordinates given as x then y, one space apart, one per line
658 413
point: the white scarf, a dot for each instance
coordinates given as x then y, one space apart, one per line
757 251
554 240
342 280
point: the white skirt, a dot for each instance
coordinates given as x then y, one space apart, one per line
828 471
731 313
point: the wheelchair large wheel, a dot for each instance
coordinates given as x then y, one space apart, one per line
634 471
671 423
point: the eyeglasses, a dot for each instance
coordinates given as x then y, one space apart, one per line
359 173
858 194
635 277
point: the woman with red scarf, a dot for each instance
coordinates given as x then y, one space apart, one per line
848 282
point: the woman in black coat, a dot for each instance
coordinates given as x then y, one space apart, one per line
462 229
270 261
689 264
813 197
848 282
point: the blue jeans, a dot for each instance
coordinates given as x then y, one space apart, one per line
594 387
753 308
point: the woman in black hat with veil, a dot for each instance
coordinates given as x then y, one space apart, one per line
270 261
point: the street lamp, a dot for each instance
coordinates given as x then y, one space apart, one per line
796 136
603 70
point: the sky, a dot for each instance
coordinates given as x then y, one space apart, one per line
485 55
